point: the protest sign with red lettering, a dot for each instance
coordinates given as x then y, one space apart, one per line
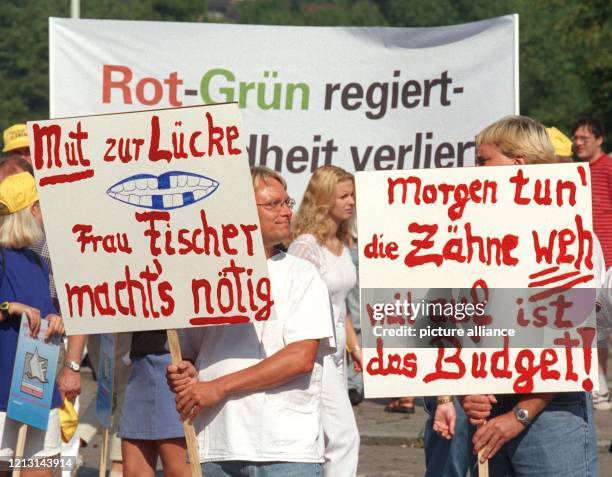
151 220
479 280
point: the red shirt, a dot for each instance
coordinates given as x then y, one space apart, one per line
601 190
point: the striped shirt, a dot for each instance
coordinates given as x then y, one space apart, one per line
601 190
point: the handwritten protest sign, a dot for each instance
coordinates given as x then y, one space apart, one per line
151 220
33 376
478 280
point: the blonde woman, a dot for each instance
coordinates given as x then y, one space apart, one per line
24 288
321 234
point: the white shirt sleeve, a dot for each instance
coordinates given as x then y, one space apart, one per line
310 316
305 246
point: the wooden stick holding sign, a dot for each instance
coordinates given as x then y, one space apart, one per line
20 447
190 437
483 467
104 454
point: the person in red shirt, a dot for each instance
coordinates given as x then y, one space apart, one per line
588 138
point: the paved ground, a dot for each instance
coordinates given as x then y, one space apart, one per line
391 443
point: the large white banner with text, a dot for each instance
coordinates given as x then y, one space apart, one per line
360 98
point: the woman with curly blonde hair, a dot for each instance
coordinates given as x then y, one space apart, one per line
322 231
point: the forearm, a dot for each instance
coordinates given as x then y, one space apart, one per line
352 340
285 365
74 348
535 403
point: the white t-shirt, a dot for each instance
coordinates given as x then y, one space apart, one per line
280 424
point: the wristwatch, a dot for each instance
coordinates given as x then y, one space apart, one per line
4 309
522 415
73 365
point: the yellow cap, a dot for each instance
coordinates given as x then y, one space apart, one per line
69 420
17 192
15 137
561 143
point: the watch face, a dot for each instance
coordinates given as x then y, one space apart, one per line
523 414
74 366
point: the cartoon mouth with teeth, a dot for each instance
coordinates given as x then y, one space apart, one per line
170 190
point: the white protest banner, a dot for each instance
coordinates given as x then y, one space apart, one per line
479 280
151 220
359 98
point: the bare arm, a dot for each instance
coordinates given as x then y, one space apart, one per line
293 360
69 382
353 345
495 433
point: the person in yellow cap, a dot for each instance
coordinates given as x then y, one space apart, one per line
24 289
15 140
561 143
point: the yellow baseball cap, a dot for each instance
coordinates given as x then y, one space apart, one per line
15 137
17 192
561 143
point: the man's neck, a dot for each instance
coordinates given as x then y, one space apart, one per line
270 251
596 156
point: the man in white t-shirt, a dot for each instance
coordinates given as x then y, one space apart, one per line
253 390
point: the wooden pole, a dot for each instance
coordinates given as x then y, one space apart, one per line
190 437
20 447
483 468
104 454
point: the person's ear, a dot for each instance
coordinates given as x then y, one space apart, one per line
519 161
35 210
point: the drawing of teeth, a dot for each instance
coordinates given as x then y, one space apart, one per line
170 190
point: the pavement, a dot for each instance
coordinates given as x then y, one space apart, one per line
391 443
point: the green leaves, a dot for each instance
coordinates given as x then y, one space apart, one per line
565 58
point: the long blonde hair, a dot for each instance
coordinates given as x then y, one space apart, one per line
519 136
313 214
20 229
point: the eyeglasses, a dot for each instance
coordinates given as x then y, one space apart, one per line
277 204
582 138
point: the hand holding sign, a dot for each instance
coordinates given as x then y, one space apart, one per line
181 375
31 314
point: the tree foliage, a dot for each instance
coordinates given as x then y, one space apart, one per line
565 57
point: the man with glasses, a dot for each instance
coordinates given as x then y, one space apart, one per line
253 389
588 138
